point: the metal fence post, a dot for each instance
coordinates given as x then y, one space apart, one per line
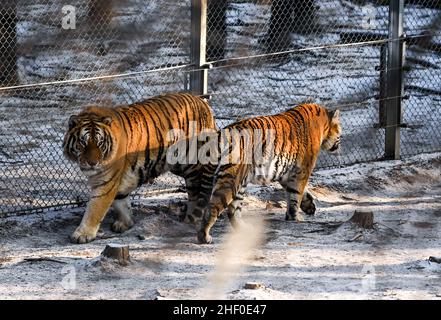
382 95
199 78
394 82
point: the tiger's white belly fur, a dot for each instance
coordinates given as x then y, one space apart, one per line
130 179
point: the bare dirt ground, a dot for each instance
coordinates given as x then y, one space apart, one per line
320 258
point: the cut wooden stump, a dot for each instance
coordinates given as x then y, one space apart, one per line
364 219
117 252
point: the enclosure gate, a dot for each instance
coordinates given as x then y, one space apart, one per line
377 61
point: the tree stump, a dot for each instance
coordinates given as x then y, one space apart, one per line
117 252
364 219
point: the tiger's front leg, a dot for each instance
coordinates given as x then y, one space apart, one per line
295 189
199 184
96 210
292 211
123 210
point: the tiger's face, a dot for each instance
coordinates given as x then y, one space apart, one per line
89 141
331 142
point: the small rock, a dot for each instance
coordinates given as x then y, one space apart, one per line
253 285
272 205
141 237
435 259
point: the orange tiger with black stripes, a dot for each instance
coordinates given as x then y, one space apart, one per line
288 145
118 149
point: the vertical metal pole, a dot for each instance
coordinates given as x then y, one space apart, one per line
381 103
394 85
198 79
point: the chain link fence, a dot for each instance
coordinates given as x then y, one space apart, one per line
264 56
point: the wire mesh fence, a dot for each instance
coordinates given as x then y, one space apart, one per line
265 57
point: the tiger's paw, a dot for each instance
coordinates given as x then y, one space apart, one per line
297 217
310 210
308 205
81 236
204 238
187 218
120 226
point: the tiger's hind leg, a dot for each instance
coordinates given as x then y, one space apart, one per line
123 211
308 205
192 185
202 187
198 182
235 208
212 212
295 189
226 185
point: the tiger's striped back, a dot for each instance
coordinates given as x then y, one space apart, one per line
290 143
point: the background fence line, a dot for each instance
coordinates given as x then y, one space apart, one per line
212 64
259 57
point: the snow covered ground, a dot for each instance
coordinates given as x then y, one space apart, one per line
311 260
323 257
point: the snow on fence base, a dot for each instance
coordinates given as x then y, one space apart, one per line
148 44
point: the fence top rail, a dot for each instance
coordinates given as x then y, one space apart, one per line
329 46
192 68
112 76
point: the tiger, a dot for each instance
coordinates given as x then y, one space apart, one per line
290 143
118 149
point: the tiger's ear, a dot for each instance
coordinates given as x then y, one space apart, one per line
106 120
73 120
334 115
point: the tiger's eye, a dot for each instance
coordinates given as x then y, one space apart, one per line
83 141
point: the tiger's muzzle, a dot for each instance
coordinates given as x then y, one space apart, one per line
91 157
335 146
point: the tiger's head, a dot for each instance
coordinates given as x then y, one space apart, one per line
331 141
89 140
